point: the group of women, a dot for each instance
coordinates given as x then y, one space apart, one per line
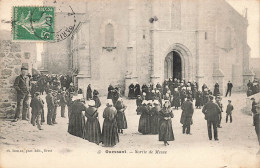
114 121
156 120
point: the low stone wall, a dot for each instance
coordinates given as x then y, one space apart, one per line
12 55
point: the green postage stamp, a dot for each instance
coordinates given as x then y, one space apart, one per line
33 23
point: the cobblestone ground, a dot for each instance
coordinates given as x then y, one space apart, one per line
21 143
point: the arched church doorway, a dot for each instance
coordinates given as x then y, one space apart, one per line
173 66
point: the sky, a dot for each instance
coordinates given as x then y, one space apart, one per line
240 5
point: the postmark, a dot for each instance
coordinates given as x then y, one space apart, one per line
33 23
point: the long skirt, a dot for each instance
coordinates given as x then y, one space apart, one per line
92 131
76 124
155 124
165 130
121 120
177 102
109 133
131 93
144 124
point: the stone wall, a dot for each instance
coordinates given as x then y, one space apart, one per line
12 56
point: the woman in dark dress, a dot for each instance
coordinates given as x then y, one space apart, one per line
120 116
115 96
131 93
109 132
144 126
89 92
155 117
110 91
216 89
137 89
198 98
165 125
92 131
96 99
76 118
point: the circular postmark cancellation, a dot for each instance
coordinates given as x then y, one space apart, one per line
66 23
43 23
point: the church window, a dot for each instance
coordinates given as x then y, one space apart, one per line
109 35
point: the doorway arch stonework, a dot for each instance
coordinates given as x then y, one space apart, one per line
186 60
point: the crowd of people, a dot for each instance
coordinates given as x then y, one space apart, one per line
155 106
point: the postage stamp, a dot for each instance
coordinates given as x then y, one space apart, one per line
33 23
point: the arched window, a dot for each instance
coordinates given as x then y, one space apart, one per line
109 35
227 37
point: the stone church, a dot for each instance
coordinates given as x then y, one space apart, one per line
148 41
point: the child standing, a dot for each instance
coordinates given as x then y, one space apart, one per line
229 111
37 108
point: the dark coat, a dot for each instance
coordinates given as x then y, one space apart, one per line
50 101
97 101
216 90
36 105
229 109
144 126
63 100
109 132
89 93
187 112
165 125
211 111
131 93
77 119
92 131
120 116
137 90
110 92
155 120
229 85
22 86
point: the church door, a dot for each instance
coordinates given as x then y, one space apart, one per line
173 66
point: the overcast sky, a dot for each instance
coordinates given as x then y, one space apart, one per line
240 5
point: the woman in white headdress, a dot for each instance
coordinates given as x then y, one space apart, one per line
120 117
165 125
144 126
77 119
92 131
155 117
109 131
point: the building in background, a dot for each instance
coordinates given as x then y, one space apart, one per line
121 42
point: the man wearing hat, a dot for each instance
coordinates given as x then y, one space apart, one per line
22 87
211 111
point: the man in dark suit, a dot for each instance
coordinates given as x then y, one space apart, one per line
212 111
22 86
229 88
186 116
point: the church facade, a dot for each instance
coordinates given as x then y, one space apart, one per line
121 42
